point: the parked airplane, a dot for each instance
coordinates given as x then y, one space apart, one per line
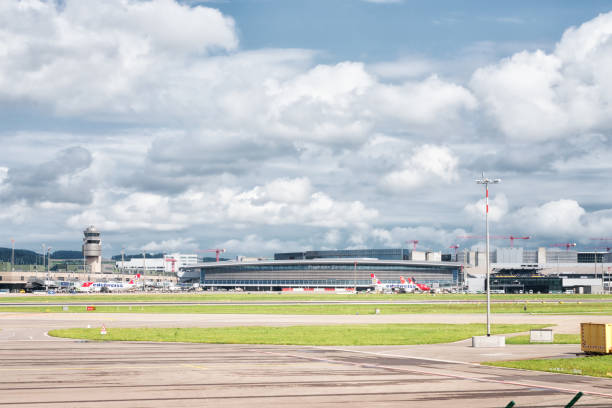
420 286
403 286
111 286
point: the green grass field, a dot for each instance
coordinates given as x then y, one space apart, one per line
559 339
327 309
596 366
337 335
281 297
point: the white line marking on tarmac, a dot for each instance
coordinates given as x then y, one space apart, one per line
437 360
199 367
432 373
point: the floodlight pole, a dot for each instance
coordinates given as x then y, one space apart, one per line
12 255
486 183
355 276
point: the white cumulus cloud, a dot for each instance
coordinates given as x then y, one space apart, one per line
428 164
149 211
539 96
168 245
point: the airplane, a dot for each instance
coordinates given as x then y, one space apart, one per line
421 286
403 286
111 286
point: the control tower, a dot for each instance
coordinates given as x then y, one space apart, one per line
92 249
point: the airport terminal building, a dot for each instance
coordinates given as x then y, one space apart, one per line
542 270
323 269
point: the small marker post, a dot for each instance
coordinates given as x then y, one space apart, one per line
103 330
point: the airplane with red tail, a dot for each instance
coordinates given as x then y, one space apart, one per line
403 286
111 286
421 286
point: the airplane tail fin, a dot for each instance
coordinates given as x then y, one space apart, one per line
402 280
131 281
375 280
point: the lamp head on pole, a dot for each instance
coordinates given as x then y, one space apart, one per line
485 180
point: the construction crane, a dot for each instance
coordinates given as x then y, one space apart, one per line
607 248
510 237
216 250
171 260
414 243
455 247
566 245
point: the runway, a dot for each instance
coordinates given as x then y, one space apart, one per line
564 323
440 301
38 371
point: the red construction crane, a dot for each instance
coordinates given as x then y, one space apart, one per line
510 237
414 243
216 250
607 248
566 245
173 262
455 247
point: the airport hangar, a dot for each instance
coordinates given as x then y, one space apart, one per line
323 269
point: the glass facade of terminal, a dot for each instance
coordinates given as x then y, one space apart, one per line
390 254
325 274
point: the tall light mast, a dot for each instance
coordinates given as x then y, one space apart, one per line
486 182
44 248
13 255
122 259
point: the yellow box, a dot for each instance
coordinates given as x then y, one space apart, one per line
596 337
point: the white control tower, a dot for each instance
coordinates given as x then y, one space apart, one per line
92 249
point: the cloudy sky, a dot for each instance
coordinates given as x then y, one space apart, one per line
272 125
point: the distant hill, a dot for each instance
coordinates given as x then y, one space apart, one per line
22 256
27 257
67 255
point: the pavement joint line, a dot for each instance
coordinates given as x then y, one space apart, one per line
99 367
442 360
448 375
194 366
401 356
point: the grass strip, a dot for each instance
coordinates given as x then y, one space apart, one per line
595 366
332 335
559 339
281 297
327 309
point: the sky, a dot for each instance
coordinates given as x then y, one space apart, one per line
264 126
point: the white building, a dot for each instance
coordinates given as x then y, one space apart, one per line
180 261
170 263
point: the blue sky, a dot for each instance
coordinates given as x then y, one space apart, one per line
268 126
367 31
